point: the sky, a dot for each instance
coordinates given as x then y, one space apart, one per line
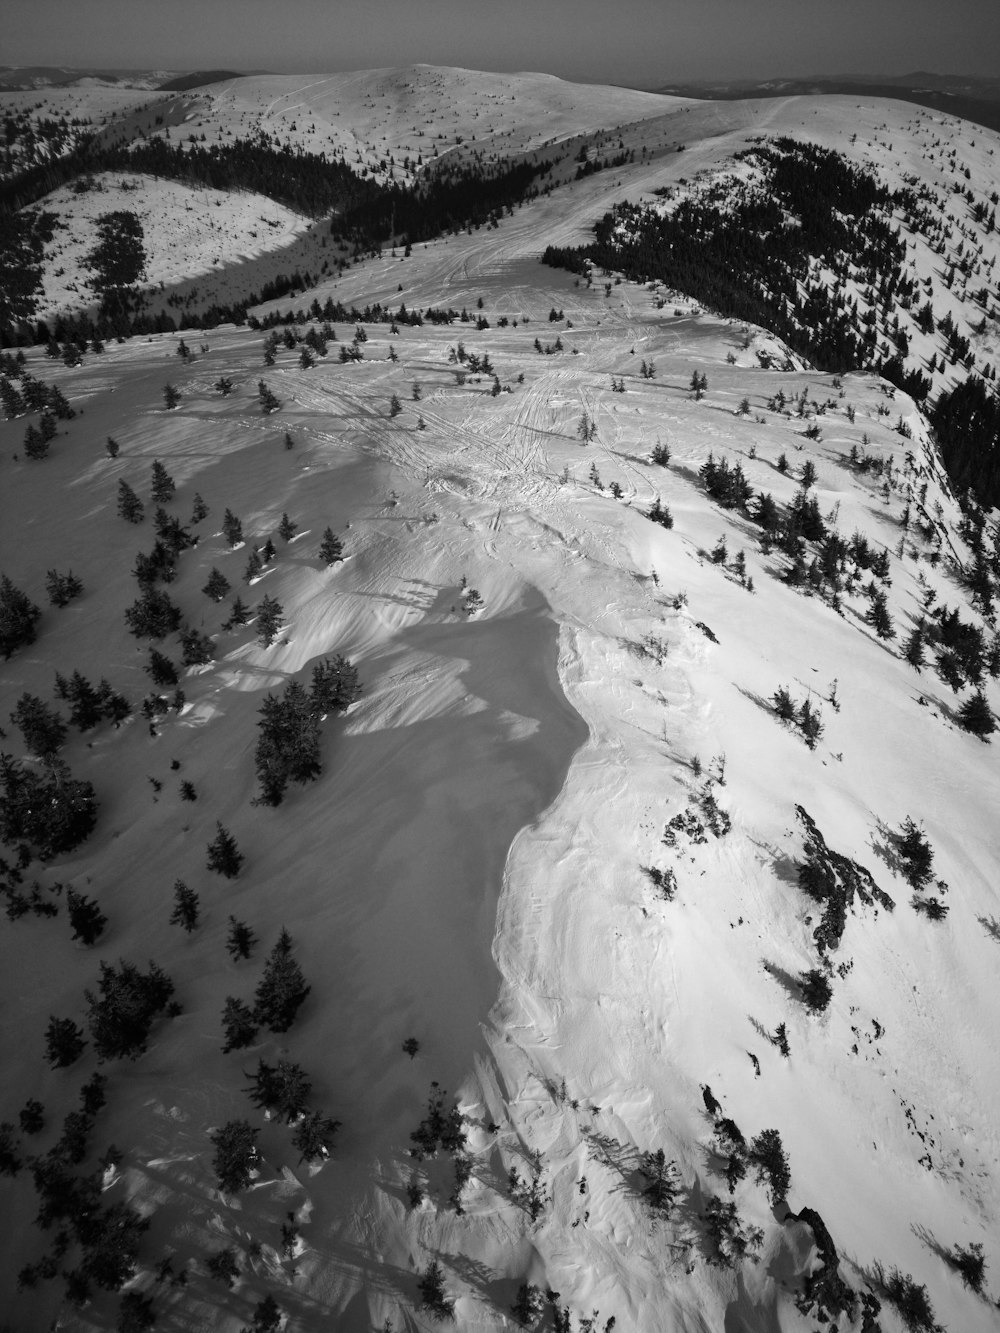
640 43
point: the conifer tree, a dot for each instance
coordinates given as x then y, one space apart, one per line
235 1155
331 548
64 1042
222 1266
196 648
217 587
113 447
199 509
130 507
240 940
153 615
18 618
266 1317
185 911
878 616
286 528
160 669
314 1135
239 614
282 989
432 1292
62 588
85 917
334 685
914 649
163 486
269 401
238 1025
254 566
171 397
232 528
122 1012
282 1089
224 857
42 728
395 406
269 614
976 716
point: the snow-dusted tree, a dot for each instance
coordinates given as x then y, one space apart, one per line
314 1136
236 1155
281 1090
18 618
196 648
334 685
85 917
64 1042
185 911
42 728
163 486
282 989
976 716
50 812
122 1012
288 744
239 614
153 615
287 528
254 566
331 548
269 619
224 857
232 528
62 588
238 1025
217 586
432 1292
733 1238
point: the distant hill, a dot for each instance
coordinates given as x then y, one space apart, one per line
198 79
26 77
973 99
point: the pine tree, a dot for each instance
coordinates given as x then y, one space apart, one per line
282 1089
314 1136
222 1266
196 648
240 940
153 615
199 509
160 669
239 614
64 1042
914 649
268 400
878 616
171 397
217 587
282 989
289 442
334 685
42 728
810 724
254 566
268 551
975 716
266 1317
185 911
32 1117
768 1155
269 614
286 528
130 507
36 446
85 917
238 1025
432 1292
232 528
224 857
18 618
188 792
163 486
331 548
235 1155
288 746
307 359
62 588
122 1013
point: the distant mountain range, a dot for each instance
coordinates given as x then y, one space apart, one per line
24 78
975 99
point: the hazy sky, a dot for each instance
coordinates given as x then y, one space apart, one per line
638 42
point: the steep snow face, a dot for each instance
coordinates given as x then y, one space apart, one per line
472 869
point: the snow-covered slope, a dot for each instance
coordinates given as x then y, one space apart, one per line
471 869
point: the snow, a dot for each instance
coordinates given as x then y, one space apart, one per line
469 870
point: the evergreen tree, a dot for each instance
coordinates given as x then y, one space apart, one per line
50 812
976 716
199 509
42 728
235 1155
224 385
222 1266
266 1317
36 447
185 911
808 474
914 649
268 551
240 940
130 507
122 1013
289 442
810 723
288 745
160 669
224 857
239 614
269 614
282 989
18 618
254 566
331 548
85 917
32 1117
62 588
878 616
395 406
64 1042
232 528
314 1135
286 528
432 1292
334 685
188 792
113 447
268 400
171 397
661 1188
153 615
768 1155
817 992
163 486
93 1095
238 1025
217 587
196 648
282 1090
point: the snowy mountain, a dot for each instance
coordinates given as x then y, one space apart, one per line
642 917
